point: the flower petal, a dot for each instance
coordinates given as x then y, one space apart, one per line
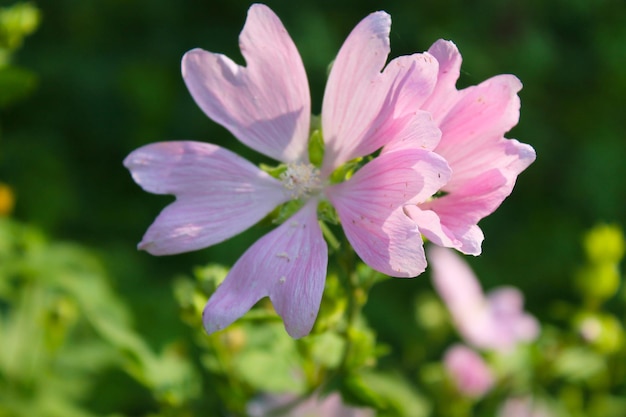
455 282
470 373
288 265
430 226
363 106
370 207
485 164
445 94
416 131
497 321
349 105
507 306
218 194
454 218
473 130
266 104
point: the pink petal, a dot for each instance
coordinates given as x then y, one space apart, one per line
473 121
416 131
455 282
218 194
288 265
430 226
472 131
496 322
445 94
370 205
419 77
474 196
525 407
459 212
362 107
266 104
484 164
330 405
507 306
468 370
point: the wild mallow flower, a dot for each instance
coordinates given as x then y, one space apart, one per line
288 405
469 372
524 407
496 321
266 105
484 164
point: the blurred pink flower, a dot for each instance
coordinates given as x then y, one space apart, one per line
523 407
484 164
471 375
266 105
329 406
496 321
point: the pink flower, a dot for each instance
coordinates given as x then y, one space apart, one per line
524 407
286 406
468 370
496 321
484 164
266 105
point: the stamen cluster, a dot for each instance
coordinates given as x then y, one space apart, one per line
301 180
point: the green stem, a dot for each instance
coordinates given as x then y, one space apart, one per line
348 278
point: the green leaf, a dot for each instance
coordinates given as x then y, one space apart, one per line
268 359
326 349
400 397
577 364
355 390
16 22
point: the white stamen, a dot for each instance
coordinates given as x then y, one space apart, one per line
301 180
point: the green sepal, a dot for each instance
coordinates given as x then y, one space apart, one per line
287 210
327 213
274 171
345 172
316 148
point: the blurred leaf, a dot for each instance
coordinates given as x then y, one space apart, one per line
15 84
61 324
391 394
604 244
281 365
606 405
16 22
266 371
325 349
363 351
578 364
210 276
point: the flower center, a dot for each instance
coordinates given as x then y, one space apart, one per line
301 180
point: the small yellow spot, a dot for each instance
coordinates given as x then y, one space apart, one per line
7 200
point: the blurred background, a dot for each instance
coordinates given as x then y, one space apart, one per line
100 78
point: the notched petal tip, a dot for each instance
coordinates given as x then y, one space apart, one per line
265 104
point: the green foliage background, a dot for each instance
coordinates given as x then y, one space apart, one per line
104 79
